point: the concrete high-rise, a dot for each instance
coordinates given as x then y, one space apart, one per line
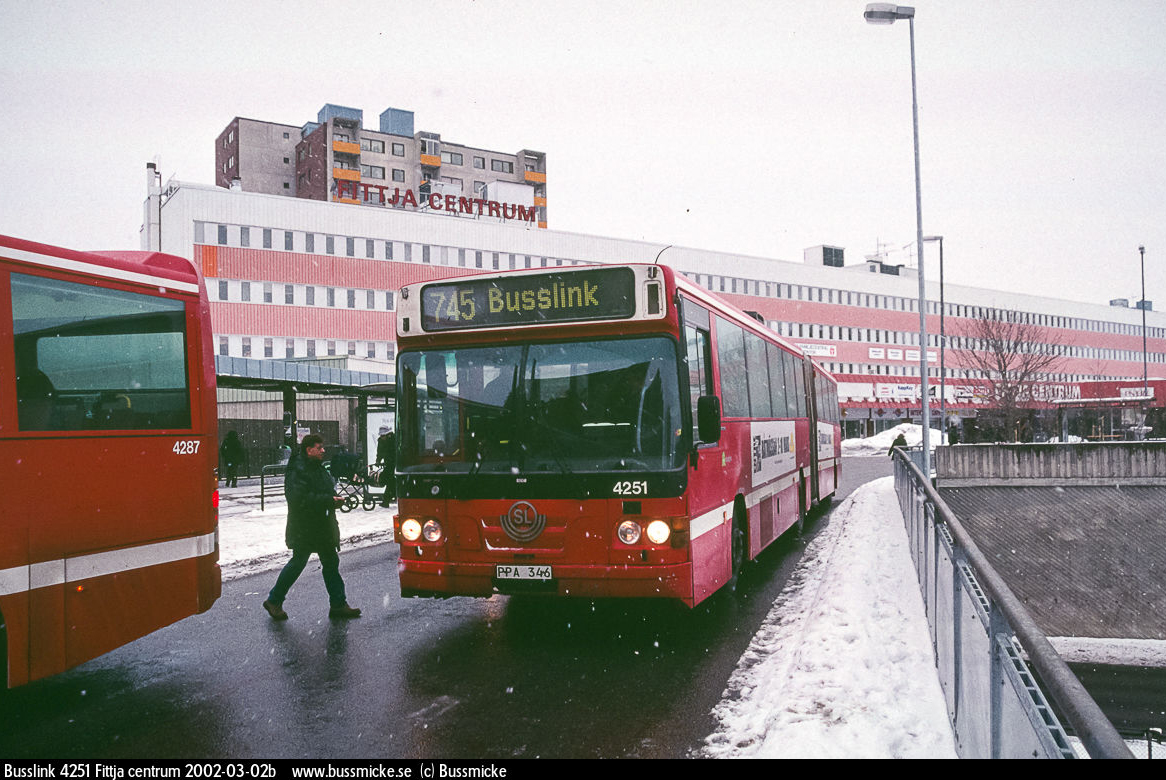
336 158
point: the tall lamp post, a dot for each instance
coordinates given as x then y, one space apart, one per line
1145 367
889 13
942 342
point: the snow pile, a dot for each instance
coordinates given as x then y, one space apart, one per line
1119 652
251 539
842 666
880 443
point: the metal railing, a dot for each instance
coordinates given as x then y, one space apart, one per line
985 643
268 471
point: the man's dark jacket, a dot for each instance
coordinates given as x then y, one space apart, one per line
311 512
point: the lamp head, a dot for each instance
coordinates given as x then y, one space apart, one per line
887 13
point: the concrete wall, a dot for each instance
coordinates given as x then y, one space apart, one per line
1126 463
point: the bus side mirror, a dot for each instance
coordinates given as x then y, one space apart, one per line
708 418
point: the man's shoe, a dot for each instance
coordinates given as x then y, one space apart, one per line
275 610
345 612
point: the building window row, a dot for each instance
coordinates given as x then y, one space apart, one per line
952 374
246 236
287 348
800 292
281 294
804 330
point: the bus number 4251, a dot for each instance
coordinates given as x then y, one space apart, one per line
630 488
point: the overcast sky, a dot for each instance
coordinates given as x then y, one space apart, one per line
753 127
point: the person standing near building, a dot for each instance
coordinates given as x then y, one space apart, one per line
387 460
311 528
231 453
900 441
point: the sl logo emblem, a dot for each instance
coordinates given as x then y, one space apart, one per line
523 522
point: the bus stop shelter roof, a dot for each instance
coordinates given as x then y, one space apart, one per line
281 375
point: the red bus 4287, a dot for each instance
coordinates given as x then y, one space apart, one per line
598 431
108 437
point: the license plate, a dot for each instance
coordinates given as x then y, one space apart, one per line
524 572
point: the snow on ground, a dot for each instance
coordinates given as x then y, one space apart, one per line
842 666
880 443
251 538
1120 652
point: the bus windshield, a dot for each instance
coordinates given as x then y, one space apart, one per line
606 405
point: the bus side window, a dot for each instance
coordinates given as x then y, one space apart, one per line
757 371
777 388
731 361
110 359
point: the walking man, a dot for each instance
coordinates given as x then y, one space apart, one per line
231 452
311 528
387 460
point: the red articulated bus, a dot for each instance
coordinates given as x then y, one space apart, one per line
598 431
108 434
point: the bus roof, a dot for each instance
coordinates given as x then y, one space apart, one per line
151 268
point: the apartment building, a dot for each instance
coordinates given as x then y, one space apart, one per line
393 166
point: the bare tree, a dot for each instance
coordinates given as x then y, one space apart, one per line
1010 356
1099 370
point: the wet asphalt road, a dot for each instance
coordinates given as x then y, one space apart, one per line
505 677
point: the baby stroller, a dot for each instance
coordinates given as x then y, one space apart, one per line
351 481
375 480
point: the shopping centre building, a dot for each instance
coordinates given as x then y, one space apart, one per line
314 276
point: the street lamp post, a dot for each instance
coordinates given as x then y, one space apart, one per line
1145 366
942 342
889 13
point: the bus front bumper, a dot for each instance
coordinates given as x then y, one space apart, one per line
442 579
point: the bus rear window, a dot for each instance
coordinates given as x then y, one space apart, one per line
91 358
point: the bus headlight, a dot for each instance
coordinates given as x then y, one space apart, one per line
628 532
431 531
658 532
410 529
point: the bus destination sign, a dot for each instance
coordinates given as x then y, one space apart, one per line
529 299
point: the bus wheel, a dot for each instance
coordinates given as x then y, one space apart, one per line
737 550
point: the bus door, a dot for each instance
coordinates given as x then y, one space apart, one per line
812 414
707 467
